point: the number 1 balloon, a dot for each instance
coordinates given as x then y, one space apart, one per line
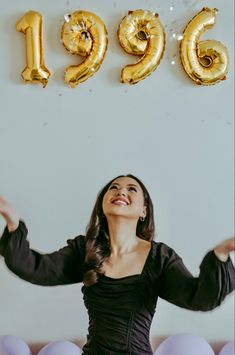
35 71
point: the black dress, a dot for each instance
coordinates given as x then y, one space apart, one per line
121 310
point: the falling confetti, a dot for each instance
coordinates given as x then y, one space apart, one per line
67 17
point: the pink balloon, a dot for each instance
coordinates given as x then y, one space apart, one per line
228 349
184 344
12 345
60 348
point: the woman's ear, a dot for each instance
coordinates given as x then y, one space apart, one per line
144 213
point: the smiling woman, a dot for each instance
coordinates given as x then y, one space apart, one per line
123 269
121 213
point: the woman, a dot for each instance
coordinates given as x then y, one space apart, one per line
122 268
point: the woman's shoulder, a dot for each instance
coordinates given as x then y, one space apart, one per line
161 246
78 242
163 253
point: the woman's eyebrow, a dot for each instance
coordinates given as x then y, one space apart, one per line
133 185
116 183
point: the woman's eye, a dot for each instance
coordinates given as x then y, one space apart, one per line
113 187
133 189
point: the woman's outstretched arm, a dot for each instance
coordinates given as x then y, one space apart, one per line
64 266
205 292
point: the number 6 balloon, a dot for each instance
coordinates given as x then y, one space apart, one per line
205 62
35 71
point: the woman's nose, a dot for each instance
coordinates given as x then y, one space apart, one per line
121 192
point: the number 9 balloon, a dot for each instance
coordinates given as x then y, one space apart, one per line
141 33
205 62
84 34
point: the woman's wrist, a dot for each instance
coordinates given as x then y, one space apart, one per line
221 256
12 225
223 249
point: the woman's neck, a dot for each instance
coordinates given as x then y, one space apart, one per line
122 235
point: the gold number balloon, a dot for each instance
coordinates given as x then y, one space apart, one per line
84 34
205 62
35 71
141 33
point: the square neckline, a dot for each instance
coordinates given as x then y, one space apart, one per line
133 275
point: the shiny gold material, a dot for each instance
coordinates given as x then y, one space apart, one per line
141 33
84 34
35 71
205 62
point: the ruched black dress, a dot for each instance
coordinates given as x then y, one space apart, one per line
121 310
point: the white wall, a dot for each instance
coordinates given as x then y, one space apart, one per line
58 146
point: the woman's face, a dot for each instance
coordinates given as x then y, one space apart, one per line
124 198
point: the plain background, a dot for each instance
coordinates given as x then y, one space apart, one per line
59 146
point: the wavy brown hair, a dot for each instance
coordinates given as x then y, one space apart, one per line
97 233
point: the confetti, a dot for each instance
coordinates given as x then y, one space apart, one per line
67 17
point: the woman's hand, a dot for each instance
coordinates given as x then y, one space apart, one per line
223 249
8 213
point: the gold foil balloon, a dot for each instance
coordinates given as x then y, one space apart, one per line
141 33
35 71
84 34
205 62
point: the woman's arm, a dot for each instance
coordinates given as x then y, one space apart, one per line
205 292
64 266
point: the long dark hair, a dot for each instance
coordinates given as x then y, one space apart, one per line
97 234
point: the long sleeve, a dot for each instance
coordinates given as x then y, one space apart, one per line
61 267
205 292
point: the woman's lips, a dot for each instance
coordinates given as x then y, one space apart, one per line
120 202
